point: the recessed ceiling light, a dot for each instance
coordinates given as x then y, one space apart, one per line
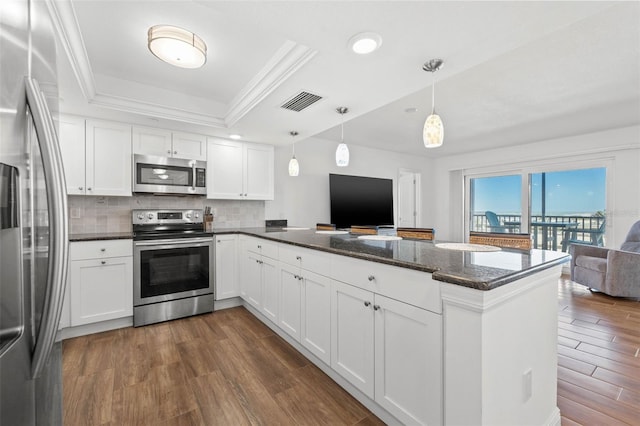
411 110
365 43
235 136
177 46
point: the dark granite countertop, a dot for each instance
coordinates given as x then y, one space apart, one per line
101 236
479 270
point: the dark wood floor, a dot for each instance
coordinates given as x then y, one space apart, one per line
228 368
598 357
225 368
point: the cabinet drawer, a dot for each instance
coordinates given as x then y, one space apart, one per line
310 260
100 249
263 247
406 285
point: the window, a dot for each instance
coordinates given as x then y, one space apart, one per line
562 207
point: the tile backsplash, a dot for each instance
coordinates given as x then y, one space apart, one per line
89 214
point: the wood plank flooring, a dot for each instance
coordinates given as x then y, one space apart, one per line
225 368
598 357
228 368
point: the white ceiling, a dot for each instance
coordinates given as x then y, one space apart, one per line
514 72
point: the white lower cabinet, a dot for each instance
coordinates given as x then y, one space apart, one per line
260 279
389 350
100 281
227 284
269 282
290 295
251 289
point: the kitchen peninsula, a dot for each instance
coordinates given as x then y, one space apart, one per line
419 334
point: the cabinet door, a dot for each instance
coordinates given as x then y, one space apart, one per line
315 326
224 170
258 172
101 289
352 326
226 267
152 141
408 358
290 288
270 288
189 146
65 316
108 167
252 280
71 139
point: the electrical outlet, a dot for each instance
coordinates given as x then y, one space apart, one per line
527 385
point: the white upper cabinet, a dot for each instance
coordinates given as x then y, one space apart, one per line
96 156
108 158
165 143
239 171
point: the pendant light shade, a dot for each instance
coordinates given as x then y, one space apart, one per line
177 46
433 131
342 153
294 167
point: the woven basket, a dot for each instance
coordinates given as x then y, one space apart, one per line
416 233
517 241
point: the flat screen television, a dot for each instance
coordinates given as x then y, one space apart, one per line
358 200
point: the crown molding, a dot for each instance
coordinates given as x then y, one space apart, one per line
287 60
66 26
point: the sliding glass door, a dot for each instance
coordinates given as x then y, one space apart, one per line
556 207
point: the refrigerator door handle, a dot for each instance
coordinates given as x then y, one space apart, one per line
58 225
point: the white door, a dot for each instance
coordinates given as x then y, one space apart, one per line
189 146
270 286
225 170
152 141
226 267
252 279
290 285
108 166
352 348
259 175
408 382
315 326
408 203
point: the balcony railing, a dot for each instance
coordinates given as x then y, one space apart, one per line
554 234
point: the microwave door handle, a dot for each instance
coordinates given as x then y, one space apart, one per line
58 224
193 180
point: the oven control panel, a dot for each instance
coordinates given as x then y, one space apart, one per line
159 217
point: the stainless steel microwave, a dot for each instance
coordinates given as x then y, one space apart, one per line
164 175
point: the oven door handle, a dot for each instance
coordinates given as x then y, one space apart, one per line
179 241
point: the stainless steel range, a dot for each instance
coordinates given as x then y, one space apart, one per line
173 265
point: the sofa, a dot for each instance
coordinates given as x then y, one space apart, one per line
610 271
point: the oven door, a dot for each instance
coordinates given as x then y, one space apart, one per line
172 269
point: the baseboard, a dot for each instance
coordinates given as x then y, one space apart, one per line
226 303
98 327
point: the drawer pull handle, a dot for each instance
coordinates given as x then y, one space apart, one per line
80 188
371 277
298 257
259 246
376 307
295 276
104 262
103 249
367 304
300 278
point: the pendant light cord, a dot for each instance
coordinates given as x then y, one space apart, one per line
433 96
342 127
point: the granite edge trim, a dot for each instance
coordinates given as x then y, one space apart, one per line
100 237
435 272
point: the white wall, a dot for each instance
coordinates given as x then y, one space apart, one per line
619 149
304 200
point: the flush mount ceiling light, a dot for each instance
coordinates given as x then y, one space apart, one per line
365 43
433 132
342 153
177 46
294 167
235 136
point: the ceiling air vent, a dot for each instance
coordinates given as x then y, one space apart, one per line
301 101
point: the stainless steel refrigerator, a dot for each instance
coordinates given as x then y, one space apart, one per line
33 218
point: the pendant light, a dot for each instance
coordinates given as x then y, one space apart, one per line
433 132
294 167
177 46
342 153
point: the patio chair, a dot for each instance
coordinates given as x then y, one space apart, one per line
596 236
494 223
610 271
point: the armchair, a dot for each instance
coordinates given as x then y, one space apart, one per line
613 272
494 222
